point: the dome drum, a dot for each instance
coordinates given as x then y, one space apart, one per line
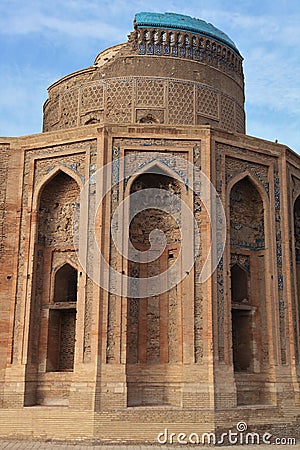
143 100
173 70
169 43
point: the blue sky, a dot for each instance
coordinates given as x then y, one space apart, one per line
42 41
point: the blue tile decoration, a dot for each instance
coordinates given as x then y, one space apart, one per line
174 51
166 50
151 41
278 253
157 50
280 282
116 172
172 21
142 49
150 49
277 192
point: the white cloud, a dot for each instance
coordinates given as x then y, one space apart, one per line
273 80
37 22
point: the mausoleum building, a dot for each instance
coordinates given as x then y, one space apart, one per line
81 358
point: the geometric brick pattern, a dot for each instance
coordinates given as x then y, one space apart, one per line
181 103
67 339
92 97
240 119
119 94
145 100
69 108
3 181
150 93
179 349
207 102
159 381
227 113
51 114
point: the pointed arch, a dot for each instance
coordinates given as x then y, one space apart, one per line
149 118
163 169
253 180
248 210
66 261
249 233
65 283
153 335
296 199
48 178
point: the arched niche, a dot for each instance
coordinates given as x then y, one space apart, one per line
248 287
55 210
153 322
246 216
54 285
65 284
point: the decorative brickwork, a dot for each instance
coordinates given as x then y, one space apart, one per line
240 119
141 225
55 214
126 367
236 166
200 216
167 100
43 166
227 113
246 217
92 97
69 108
51 114
150 116
207 102
280 276
297 228
119 95
4 149
150 93
181 103
295 252
188 46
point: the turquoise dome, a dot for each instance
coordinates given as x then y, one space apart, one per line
172 21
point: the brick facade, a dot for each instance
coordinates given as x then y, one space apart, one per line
197 357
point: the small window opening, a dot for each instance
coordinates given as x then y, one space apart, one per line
65 284
239 284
